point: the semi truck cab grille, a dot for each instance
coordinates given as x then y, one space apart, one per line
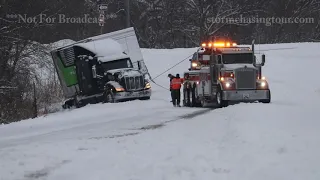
245 78
134 83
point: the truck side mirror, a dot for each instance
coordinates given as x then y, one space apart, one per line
263 59
219 59
254 61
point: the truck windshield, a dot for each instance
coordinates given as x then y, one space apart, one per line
244 58
117 64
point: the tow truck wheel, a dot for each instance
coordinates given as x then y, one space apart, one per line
203 103
221 103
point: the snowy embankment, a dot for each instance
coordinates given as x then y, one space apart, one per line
151 140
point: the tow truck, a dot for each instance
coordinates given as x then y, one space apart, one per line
222 72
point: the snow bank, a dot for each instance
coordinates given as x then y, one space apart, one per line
61 43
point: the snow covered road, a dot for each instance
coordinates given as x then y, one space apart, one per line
143 140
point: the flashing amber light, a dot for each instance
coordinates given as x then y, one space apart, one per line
210 45
234 44
204 45
221 78
219 45
228 44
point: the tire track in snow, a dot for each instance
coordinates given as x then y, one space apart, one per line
119 122
42 173
156 126
109 125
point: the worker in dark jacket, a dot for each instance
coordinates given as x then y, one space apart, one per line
176 86
171 77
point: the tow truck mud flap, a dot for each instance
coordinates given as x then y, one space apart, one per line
245 95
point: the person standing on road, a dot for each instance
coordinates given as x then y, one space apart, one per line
176 86
171 77
187 90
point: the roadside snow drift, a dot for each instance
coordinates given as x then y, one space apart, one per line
152 140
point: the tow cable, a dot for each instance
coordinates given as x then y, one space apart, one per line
152 79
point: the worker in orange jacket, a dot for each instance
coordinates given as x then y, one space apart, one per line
175 85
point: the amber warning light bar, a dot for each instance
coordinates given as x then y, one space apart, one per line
219 44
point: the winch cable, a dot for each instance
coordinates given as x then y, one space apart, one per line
173 66
152 79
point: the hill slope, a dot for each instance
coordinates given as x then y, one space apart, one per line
152 140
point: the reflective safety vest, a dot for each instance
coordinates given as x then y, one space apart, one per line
176 83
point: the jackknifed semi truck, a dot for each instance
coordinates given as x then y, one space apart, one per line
107 68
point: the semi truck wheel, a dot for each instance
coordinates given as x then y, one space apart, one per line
108 97
68 104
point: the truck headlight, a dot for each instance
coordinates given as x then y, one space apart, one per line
194 64
120 89
262 84
148 86
228 85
